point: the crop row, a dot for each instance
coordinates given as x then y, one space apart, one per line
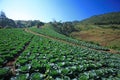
48 30
12 43
46 59
52 60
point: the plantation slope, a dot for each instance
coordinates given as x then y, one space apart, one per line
49 30
13 42
40 57
30 31
47 59
11 63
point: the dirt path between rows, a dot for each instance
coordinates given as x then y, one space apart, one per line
27 30
73 44
11 64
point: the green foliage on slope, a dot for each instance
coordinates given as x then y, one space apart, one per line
64 28
104 19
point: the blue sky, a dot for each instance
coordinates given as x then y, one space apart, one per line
65 10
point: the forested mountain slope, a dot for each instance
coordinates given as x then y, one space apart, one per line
108 18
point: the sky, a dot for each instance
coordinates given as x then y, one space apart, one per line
59 10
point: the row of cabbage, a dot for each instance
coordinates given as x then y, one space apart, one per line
12 43
49 31
46 59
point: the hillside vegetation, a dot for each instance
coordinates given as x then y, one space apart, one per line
104 19
105 37
102 29
47 52
43 58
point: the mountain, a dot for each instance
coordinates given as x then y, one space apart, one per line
104 19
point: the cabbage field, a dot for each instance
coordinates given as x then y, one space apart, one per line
26 56
49 31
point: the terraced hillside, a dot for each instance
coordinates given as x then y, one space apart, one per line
43 54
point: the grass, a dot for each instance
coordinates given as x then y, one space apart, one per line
105 37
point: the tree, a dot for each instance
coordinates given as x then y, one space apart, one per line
6 22
40 24
2 15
